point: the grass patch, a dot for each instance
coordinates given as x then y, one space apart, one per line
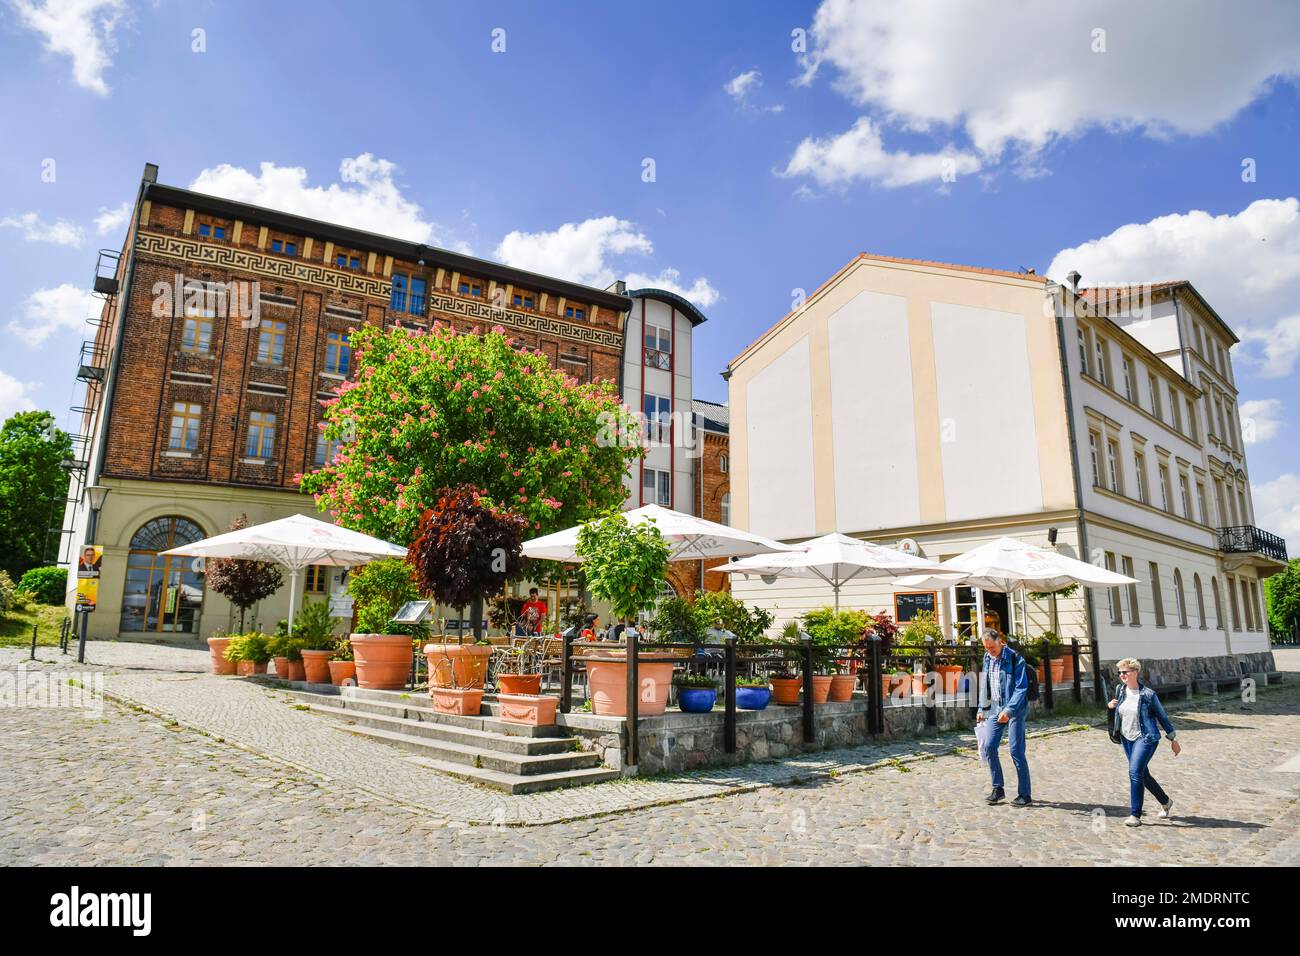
16 626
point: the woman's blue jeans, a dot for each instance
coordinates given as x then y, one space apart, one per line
1139 753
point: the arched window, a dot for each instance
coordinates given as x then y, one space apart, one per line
1218 604
1200 598
726 508
1181 596
162 593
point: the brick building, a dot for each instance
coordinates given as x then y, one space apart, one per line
224 325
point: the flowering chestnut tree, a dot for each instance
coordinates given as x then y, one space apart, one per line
439 409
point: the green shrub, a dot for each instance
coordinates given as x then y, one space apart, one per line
379 589
313 627
281 644
48 585
253 646
7 593
685 679
757 680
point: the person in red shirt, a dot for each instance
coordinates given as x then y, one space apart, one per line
533 613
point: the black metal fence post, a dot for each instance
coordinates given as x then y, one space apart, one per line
633 698
34 626
809 732
729 698
875 689
1098 689
932 689
1048 702
1078 678
566 673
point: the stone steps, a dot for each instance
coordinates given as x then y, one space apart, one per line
449 733
416 706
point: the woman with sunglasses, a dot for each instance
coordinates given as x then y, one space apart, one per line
1141 717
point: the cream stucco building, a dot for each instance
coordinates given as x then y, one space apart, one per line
941 406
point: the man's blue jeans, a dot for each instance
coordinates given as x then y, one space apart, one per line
1139 753
1014 729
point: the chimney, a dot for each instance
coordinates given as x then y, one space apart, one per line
1073 278
150 172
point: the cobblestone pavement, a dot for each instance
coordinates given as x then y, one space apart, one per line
127 788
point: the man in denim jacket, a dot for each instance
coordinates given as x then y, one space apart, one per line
1004 699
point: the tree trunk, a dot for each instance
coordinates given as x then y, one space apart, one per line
476 612
241 619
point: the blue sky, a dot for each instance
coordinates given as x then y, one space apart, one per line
772 166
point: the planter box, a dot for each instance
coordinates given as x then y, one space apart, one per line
531 709
462 701
383 660
526 684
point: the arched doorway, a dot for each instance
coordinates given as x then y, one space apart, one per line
162 594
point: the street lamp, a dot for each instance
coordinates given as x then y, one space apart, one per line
95 495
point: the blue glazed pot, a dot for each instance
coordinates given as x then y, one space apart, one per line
696 700
753 698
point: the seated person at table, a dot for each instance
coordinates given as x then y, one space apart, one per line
590 628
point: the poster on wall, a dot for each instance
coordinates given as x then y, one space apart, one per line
88 565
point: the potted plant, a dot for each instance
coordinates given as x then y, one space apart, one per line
696 693
785 679
382 653
250 652
451 697
752 693
314 633
217 645
343 667
834 632
286 653
624 564
464 552
917 637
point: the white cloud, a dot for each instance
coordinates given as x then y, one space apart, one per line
742 86
61 232
1277 508
14 395
587 251
365 198
48 311
1247 265
111 220
1027 73
859 153
1261 419
80 29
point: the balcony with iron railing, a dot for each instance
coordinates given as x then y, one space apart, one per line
1246 539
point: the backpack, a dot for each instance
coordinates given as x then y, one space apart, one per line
1032 693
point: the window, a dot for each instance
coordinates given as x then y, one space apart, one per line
317 579
1156 598
1232 602
1200 339
1218 416
1254 600
658 418
325 448
465 287
1184 492
1191 421
656 488
408 293
1200 599
162 593
726 508
1175 409
270 342
1180 598
1241 505
1092 452
1133 616
1140 465
284 247
211 231
1218 605
1218 500
261 435
1113 594
1083 350
1128 378
345 261
524 301
658 346
1112 466
574 312
1103 370
1153 393
197 336
1200 501
1166 496
185 426
1245 602
338 353
723 464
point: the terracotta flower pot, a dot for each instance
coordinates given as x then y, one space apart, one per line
607 681
821 688
1067 666
463 701
785 690
531 709
949 677
519 684
467 662
217 648
317 664
891 684
383 660
297 670
249 668
842 687
1058 672
343 672
281 667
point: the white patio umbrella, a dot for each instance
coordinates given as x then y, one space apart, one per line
691 538
838 559
1009 564
294 543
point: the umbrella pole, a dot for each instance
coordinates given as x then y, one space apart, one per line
293 590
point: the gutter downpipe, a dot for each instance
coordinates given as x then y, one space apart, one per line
1058 306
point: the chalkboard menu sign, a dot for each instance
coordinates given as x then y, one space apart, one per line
907 603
